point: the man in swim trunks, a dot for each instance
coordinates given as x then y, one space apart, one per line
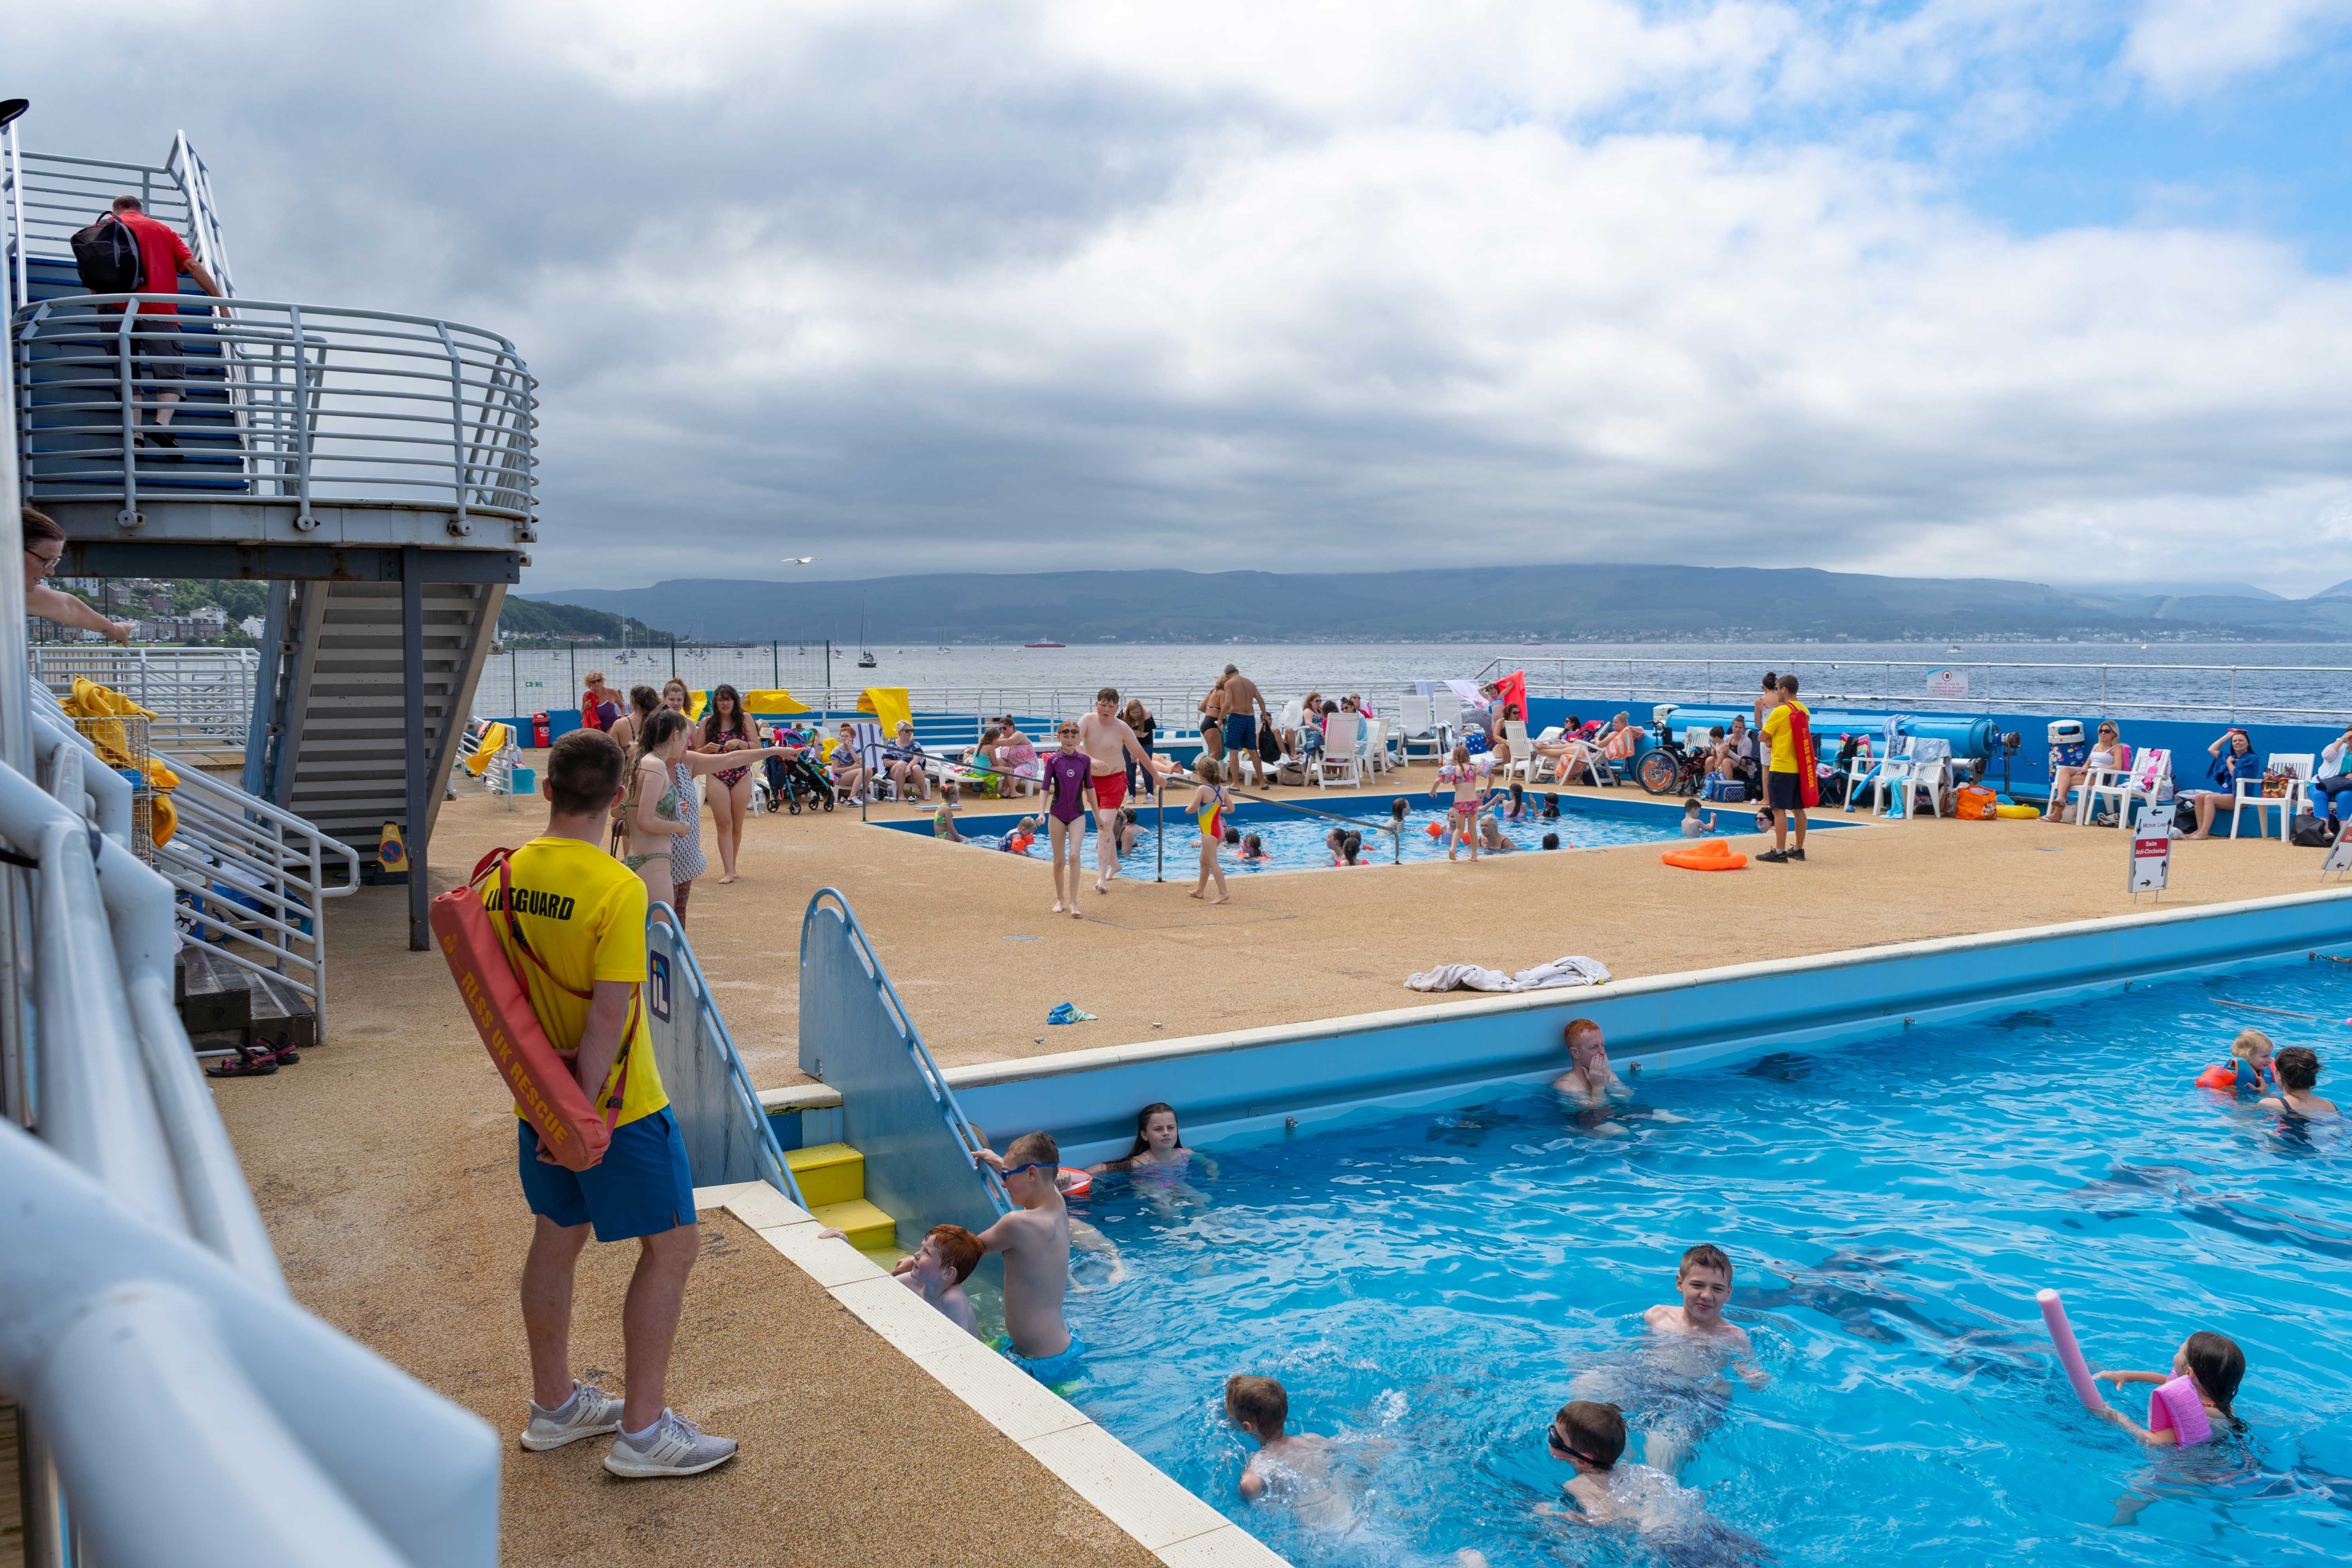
1244 705
1105 737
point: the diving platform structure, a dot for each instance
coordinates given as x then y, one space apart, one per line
377 470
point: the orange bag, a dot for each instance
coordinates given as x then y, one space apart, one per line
540 1075
1974 803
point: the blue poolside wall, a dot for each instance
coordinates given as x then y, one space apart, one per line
1252 1081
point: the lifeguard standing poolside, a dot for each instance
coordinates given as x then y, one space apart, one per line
1790 784
573 921
1106 740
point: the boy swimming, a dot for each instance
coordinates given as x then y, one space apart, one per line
1591 1437
938 1268
1690 1345
2298 1074
1695 826
1034 1240
1301 1465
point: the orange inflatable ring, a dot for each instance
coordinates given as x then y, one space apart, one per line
1075 1183
1712 855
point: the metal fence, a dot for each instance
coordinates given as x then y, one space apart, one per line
296 405
521 681
201 697
2282 693
45 197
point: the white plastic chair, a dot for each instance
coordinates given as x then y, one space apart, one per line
1376 750
1417 726
1337 760
1523 754
2150 779
2299 764
1544 769
2079 794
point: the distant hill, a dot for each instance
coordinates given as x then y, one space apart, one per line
2168 590
1564 603
525 619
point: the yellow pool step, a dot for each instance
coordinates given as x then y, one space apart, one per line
832 1178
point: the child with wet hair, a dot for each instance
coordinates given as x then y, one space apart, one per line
1551 805
1603 1491
2297 1071
1254 849
1551 841
2214 1366
2248 1068
1261 1407
938 1271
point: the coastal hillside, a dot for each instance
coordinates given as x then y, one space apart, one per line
1557 603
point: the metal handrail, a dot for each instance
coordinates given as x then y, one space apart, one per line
418 411
778 1170
200 696
959 1125
140 1268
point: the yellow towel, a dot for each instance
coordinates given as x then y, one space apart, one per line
485 751
161 820
769 700
888 706
92 701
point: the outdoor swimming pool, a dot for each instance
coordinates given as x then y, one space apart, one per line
1295 842
1431 1286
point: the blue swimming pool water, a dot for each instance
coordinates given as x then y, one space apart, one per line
1295 842
1431 1287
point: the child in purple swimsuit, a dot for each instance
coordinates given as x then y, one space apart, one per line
1069 794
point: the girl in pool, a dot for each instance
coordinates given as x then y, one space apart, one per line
1253 850
1159 1146
1208 808
1129 835
2214 1366
1069 795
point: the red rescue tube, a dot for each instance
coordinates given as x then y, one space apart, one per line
1075 1183
550 1099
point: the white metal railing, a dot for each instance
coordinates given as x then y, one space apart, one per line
45 197
254 876
2281 693
145 1323
326 405
201 697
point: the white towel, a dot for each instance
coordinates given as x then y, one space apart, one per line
1559 971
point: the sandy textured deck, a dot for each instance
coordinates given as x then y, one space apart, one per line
1315 945
384 1162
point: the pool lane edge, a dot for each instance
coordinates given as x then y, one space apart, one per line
1402 1057
1136 1496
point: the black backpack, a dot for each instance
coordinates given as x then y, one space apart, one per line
2308 831
107 256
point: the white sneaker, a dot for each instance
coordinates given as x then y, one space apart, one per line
589 1412
675 1446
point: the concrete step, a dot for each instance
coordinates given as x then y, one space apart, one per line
868 1228
828 1174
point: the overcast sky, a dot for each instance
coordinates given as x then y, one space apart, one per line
1960 287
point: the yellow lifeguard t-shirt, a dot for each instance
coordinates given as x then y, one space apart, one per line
1776 727
583 913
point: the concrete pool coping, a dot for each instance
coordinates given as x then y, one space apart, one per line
1418 1055
1161 1516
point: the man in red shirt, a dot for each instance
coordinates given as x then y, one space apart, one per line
155 336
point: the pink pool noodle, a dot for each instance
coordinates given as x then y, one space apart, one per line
2070 1354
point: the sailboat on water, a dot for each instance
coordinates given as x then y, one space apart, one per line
865 659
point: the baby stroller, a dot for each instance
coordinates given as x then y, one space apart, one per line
790 781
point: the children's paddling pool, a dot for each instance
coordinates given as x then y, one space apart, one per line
1295 842
1431 1286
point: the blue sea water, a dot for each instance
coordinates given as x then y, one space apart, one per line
1431 1287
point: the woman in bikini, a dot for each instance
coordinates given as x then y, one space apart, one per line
727 728
643 700
666 809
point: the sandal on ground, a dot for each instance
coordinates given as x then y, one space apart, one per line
247 1063
285 1055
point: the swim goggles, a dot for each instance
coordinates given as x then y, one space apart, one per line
1016 1170
1558 1444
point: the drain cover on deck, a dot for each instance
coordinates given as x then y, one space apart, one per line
1021 938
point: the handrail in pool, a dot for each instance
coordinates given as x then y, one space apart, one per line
960 1126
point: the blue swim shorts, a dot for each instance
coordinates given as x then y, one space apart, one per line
1241 731
1055 1372
642 1187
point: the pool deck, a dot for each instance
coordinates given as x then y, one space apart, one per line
383 1161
